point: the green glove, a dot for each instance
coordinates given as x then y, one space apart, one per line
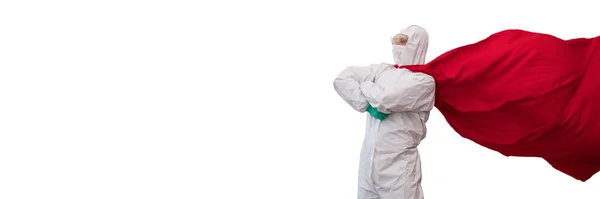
375 113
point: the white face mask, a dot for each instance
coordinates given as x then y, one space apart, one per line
403 55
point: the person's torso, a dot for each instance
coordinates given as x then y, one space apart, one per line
407 126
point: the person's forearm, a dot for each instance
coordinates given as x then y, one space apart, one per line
348 84
415 93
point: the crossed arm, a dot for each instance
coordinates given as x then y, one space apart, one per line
409 92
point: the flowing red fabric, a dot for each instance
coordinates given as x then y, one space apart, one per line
525 94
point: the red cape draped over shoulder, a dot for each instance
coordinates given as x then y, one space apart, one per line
525 94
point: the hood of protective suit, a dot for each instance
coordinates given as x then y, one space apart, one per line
415 49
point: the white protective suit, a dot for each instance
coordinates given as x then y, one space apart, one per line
390 166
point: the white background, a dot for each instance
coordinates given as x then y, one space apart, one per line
234 99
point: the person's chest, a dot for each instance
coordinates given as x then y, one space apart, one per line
391 76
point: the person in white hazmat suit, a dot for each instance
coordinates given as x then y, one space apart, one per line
390 166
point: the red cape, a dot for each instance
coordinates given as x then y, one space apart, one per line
525 94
